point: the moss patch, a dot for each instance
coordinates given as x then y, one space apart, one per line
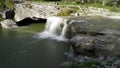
87 64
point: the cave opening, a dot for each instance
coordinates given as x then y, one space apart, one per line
27 21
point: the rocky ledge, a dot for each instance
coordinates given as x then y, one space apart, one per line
34 9
95 44
8 24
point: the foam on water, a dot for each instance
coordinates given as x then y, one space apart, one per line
53 29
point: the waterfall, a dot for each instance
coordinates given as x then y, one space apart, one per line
53 24
70 54
63 33
54 30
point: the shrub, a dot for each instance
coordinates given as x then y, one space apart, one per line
1 18
114 9
9 4
87 64
1 5
65 12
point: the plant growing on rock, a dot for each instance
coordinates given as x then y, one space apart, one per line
1 5
1 18
65 12
9 4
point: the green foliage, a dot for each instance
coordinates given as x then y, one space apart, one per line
1 18
9 4
73 2
87 64
1 4
114 9
6 4
112 2
44 0
1 8
35 0
96 5
65 12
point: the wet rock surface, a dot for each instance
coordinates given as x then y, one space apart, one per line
93 41
8 24
95 45
100 45
99 62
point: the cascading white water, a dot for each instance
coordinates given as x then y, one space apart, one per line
53 25
63 33
54 30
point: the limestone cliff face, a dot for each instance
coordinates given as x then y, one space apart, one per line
31 9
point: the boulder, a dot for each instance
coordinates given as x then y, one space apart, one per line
91 42
8 24
76 27
94 45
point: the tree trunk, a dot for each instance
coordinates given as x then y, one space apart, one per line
103 3
82 1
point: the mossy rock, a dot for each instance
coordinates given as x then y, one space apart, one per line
65 12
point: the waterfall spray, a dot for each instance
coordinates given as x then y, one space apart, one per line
63 33
52 29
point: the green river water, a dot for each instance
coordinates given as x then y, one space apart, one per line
19 49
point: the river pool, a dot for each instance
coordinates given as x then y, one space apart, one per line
20 49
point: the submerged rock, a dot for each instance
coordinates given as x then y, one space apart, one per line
65 64
8 24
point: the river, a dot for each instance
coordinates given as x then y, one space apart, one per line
21 50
